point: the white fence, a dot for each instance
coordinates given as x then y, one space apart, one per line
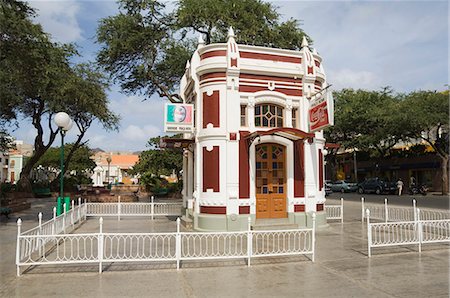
400 233
388 213
174 247
120 209
334 212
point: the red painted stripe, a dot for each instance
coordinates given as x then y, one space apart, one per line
218 53
320 169
244 166
268 78
270 57
299 208
212 75
299 169
252 89
244 209
211 164
213 209
211 109
319 207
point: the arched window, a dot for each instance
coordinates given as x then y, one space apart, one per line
268 115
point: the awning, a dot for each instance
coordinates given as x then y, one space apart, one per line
170 143
292 134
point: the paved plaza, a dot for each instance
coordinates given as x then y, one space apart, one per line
342 268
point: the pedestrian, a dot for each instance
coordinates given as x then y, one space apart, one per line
399 186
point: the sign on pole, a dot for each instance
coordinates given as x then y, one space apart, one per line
321 112
178 117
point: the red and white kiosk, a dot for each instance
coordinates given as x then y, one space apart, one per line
254 144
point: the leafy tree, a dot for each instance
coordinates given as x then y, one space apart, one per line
425 116
145 47
157 161
365 120
6 141
37 80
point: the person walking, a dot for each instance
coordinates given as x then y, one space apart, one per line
399 186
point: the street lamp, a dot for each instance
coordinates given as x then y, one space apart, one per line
64 123
108 160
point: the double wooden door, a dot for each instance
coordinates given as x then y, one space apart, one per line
270 181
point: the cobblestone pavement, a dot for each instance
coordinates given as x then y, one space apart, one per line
342 268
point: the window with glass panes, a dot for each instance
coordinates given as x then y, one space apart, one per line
268 115
243 115
294 117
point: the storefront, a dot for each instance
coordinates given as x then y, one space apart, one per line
253 141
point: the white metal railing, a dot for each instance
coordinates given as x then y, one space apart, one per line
388 213
335 211
174 246
414 232
120 209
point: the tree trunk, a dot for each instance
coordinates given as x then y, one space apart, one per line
444 168
24 183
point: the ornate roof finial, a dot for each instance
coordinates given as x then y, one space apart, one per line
200 40
230 32
304 42
315 51
188 64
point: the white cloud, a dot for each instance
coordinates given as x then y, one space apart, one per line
59 18
347 78
140 133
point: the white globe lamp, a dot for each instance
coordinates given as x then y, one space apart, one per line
62 119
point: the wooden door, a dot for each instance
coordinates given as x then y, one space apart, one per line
270 181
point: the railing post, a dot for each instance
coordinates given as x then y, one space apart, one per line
85 209
39 240
100 246
419 230
54 221
414 209
362 209
386 215
152 207
73 210
369 233
178 244
342 210
118 209
79 210
313 236
64 218
19 225
249 240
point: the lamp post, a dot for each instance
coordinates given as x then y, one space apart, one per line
108 160
64 123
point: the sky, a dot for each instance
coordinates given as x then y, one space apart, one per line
364 44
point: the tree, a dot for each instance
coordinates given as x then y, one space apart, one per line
38 80
156 161
365 120
145 48
425 116
81 164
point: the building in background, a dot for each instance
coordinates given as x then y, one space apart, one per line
15 160
113 167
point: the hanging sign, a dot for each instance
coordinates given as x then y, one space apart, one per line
321 112
178 117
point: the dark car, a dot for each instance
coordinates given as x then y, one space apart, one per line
377 185
343 186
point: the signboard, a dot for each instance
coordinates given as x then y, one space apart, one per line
178 117
321 112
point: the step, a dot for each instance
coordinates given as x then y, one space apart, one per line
273 224
187 222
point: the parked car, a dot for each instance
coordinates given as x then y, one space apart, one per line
328 190
377 185
343 186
